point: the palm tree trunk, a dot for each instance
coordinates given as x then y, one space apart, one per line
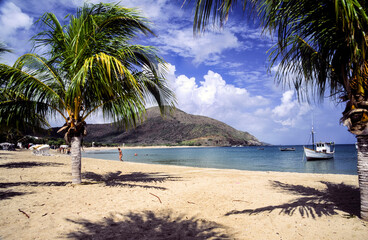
363 174
76 143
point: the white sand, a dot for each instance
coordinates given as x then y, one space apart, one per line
123 200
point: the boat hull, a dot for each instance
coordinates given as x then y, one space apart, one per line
287 149
311 154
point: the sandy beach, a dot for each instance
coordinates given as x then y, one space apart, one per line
124 200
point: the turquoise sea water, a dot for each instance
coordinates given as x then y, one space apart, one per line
242 158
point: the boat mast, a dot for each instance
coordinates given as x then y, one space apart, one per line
313 131
313 138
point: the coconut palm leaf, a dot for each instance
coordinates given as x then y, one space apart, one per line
90 64
17 112
321 46
314 43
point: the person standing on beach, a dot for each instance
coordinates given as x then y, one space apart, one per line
120 154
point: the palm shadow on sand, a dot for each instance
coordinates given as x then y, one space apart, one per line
4 153
313 202
117 179
30 164
148 225
7 194
33 184
112 179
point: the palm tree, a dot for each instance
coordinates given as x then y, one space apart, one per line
322 46
89 64
12 126
8 132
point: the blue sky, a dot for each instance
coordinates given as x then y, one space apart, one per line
221 74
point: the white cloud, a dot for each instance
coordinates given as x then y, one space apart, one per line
12 19
207 48
287 104
237 91
290 110
156 11
15 31
251 37
213 96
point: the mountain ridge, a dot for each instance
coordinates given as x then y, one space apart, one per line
177 128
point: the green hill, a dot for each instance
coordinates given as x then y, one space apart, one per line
178 128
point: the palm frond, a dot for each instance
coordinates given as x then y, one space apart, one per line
314 48
18 112
91 65
219 10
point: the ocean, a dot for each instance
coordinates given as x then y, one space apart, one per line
268 158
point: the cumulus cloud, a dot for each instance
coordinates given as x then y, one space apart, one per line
212 96
290 110
15 30
236 90
12 19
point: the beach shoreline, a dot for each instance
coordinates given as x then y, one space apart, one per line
244 158
89 149
152 201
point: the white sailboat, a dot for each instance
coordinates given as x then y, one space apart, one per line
320 151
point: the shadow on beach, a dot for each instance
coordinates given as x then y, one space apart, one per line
313 202
7 194
33 184
4 155
117 179
148 225
5 152
30 164
112 179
